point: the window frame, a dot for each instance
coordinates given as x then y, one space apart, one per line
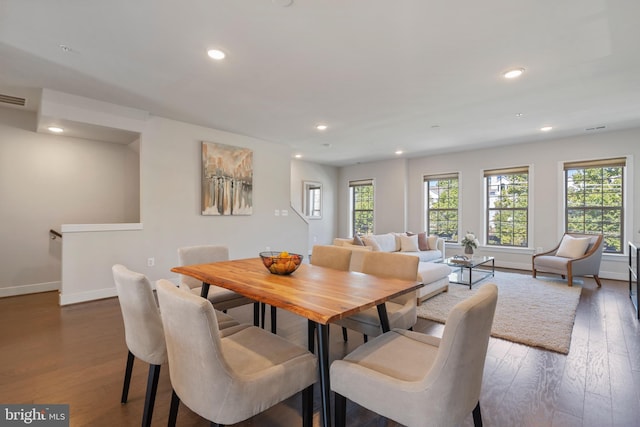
621 162
488 210
353 211
427 209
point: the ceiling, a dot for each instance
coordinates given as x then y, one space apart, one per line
419 76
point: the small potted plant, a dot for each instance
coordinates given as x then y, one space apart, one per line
470 243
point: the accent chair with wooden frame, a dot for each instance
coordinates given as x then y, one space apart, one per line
577 255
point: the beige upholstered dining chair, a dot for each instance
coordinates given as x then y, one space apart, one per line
331 256
335 257
143 331
401 310
417 379
239 373
577 255
222 299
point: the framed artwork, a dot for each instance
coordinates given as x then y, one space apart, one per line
227 180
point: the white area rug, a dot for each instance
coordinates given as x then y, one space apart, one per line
536 312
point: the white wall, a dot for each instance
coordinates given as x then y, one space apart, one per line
46 181
170 162
323 230
390 194
545 160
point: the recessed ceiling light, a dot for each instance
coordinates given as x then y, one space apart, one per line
519 115
399 152
321 127
216 54
512 74
55 129
297 156
546 128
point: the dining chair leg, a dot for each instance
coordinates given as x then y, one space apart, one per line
273 319
216 424
344 334
127 377
150 398
173 409
307 406
365 337
477 416
340 410
311 336
256 314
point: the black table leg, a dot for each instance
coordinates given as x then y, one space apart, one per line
204 291
384 317
323 362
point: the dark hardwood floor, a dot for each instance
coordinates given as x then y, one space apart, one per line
76 355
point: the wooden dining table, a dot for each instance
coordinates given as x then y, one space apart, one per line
321 295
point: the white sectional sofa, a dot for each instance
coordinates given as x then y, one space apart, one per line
433 273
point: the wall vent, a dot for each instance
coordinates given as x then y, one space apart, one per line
596 128
13 100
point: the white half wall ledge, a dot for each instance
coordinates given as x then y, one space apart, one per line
83 228
78 297
34 288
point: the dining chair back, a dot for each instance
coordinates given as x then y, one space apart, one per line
402 310
222 299
331 256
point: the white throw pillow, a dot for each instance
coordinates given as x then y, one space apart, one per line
387 242
573 247
409 243
433 242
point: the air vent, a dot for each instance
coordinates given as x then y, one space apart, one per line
595 128
13 100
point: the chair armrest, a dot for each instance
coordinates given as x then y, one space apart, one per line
440 245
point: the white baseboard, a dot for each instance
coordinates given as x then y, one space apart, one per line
66 299
29 289
612 275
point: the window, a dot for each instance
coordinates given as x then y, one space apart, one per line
361 206
441 206
507 206
594 200
312 199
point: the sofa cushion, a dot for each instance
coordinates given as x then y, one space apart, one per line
432 241
357 240
423 244
409 243
573 247
381 242
431 271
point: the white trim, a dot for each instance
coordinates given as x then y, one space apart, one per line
29 289
82 228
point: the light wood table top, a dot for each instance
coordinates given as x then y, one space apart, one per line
317 293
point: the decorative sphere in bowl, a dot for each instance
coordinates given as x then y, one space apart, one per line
282 263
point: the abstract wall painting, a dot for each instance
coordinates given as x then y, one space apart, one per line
227 180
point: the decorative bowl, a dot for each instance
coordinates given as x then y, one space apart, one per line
282 263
